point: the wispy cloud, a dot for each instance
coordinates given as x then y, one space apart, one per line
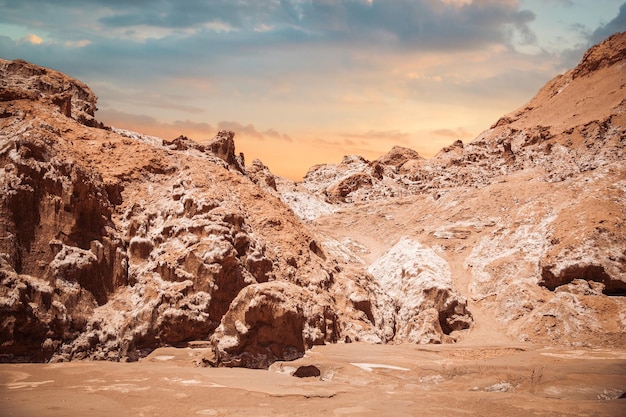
249 131
151 126
458 133
393 136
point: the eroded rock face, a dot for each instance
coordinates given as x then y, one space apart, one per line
398 156
114 243
60 252
273 321
420 285
223 146
20 80
348 185
261 175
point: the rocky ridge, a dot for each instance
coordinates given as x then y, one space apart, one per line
529 216
113 243
576 123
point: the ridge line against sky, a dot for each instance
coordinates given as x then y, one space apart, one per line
307 81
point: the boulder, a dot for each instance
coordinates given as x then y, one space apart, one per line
273 321
419 282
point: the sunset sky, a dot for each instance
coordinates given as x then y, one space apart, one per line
307 81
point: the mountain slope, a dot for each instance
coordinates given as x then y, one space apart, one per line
113 243
529 216
575 123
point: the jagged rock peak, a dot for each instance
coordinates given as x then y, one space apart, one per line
21 80
223 146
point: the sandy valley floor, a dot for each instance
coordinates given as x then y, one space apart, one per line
356 380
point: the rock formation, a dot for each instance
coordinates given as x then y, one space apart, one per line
529 216
113 243
575 124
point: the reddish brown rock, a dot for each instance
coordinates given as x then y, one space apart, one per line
113 243
346 186
273 321
398 156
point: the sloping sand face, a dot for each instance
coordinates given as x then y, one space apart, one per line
355 380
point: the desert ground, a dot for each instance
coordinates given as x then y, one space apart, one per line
355 379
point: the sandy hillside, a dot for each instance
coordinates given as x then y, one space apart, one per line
526 222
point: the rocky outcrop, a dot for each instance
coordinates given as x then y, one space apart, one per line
273 321
223 146
262 176
61 256
420 285
604 55
20 80
113 243
348 185
398 156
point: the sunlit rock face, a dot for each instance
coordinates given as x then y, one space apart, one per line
113 243
528 218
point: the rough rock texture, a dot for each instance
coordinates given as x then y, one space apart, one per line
420 284
113 243
529 217
398 156
274 320
23 81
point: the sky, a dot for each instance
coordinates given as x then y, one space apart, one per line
303 82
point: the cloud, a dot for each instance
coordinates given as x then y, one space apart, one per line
407 23
571 55
259 41
418 24
618 24
393 136
150 126
458 133
78 44
32 39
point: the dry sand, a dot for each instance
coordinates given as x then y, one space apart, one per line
356 380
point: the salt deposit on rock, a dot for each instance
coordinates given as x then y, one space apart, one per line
113 243
125 242
420 285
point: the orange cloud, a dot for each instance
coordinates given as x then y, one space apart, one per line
32 39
